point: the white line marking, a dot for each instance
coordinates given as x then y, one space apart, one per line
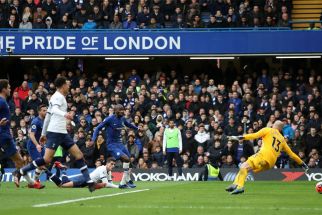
208 207
86 198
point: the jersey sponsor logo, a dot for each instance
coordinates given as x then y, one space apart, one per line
33 126
292 176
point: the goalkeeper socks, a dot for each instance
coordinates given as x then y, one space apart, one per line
241 177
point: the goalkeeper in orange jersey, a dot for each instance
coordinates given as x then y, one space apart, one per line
273 144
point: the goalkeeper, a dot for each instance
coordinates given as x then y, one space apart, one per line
273 144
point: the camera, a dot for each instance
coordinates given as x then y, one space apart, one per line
9 51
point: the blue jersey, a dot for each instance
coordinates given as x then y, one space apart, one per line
4 113
113 127
36 127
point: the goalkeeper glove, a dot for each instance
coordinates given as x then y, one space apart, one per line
231 138
305 167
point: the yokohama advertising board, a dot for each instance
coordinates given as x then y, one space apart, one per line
194 175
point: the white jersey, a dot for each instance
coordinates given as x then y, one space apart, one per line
57 123
100 174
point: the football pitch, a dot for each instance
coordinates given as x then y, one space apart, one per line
197 198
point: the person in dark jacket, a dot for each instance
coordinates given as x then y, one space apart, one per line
88 152
242 149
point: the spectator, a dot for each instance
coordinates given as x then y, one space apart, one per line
88 152
49 23
23 90
116 24
157 156
129 23
81 16
229 163
25 24
65 8
143 17
64 23
242 150
284 22
132 147
141 164
90 24
202 137
48 6
39 24
200 162
159 17
313 141
179 23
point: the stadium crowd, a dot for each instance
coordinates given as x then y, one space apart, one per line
150 14
207 108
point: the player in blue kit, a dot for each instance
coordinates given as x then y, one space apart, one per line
7 145
113 126
35 149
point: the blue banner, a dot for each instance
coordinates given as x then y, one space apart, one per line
160 43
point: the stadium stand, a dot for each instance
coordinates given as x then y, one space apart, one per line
117 14
206 108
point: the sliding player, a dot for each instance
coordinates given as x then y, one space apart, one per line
101 176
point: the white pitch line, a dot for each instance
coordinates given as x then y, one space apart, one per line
86 198
213 207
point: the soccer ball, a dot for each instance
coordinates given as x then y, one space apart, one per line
318 187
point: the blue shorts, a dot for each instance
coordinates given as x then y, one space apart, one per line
7 146
57 139
78 181
33 152
117 150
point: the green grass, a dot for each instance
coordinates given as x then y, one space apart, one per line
197 198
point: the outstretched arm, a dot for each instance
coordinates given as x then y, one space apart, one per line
252 136
294 156
99 127
127 124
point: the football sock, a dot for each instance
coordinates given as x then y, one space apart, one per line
125 173
28 179
241 177
33 165
38 172
83 168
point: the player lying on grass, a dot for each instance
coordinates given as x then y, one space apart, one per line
273 144
102 176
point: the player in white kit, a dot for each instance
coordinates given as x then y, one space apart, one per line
55 133
102 176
